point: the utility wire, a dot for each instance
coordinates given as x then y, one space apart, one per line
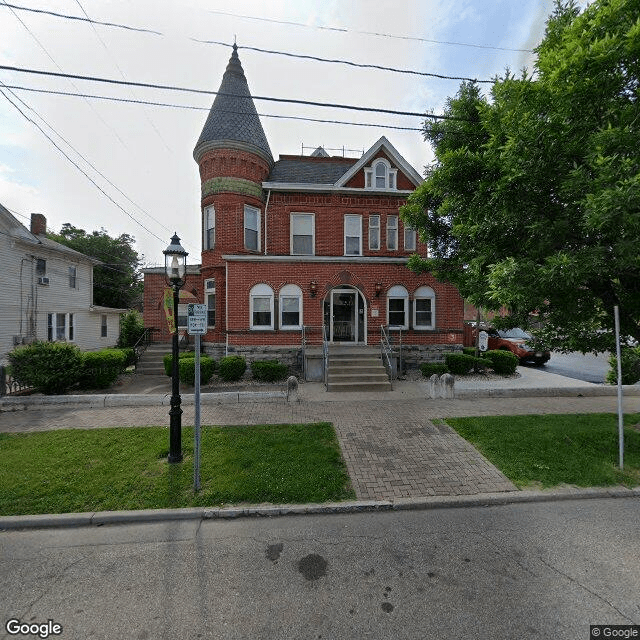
165 87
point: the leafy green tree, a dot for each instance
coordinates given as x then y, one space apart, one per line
533 201
117 282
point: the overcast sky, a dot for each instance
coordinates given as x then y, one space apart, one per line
144 153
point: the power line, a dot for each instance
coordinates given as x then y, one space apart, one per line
369 33
195 108
347 62
165 87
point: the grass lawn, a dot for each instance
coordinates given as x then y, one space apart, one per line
548 450
75 470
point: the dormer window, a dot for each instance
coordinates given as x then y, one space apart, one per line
380 175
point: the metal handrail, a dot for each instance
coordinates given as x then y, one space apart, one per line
386 352
143 342
325 355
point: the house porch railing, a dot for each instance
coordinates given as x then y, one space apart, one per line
9 386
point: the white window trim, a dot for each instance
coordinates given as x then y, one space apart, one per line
290 291
69 321
210 291
395 228
375 215
313 233
397 295
261 291
244 227
73 277
390 178
209 214
424 293
352 215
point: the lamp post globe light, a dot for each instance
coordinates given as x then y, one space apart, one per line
175 269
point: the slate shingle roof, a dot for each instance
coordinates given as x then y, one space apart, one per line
308 171
233 119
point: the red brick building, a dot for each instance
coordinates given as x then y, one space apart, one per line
292 245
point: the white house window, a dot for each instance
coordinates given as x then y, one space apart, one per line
57 327
72 277
397 307
424 308
41 267
302 234
210 298
290 307
392 233
374 233
352 235
209 227
380 175
251 228
103 326
409 239
261 307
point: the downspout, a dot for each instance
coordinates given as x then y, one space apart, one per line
266 207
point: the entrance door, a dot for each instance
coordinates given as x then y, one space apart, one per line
345 313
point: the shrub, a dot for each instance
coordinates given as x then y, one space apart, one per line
460 363
130 356
268 370
100 369
131 328
502 362
470 351
429 368
187 368
629 366
232 368
167 359
48 367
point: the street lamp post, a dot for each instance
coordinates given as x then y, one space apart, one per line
175 268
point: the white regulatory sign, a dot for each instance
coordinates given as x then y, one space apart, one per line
483 340
196 319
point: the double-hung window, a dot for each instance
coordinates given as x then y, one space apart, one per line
352 235
397 308
209 239
251 228
424 308
261 307
302 234
210 297
392 233
374 233
290 307
409 238
73 272
103 326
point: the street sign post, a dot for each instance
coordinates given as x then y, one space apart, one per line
197 326
483 341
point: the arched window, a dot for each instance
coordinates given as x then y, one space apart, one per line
424 308
397 307
261 307
290 307
380 175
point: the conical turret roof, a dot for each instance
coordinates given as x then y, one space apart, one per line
233 122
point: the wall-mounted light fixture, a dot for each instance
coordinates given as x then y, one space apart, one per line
313 287
378 289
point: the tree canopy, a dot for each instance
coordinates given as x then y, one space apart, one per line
117 282
533 200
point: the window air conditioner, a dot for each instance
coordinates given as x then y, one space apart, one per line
43 280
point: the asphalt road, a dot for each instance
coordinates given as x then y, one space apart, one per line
543 570
589 367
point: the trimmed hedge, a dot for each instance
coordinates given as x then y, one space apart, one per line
460 363
268 370
100 369
48 367
502 362
629 366
187 367
232 368
429 368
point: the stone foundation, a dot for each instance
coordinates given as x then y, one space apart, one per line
291 356
413 355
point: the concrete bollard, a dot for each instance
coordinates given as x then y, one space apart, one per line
434 386
447 382
292 389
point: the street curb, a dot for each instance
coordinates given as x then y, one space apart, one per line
548 392
101 518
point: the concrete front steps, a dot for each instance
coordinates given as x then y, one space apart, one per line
356 369
151 361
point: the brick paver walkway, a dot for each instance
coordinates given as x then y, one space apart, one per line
393 448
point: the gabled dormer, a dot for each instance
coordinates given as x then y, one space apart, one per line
381 168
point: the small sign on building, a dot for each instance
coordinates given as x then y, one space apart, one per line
483 341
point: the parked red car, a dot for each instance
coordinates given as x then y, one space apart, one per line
519 342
